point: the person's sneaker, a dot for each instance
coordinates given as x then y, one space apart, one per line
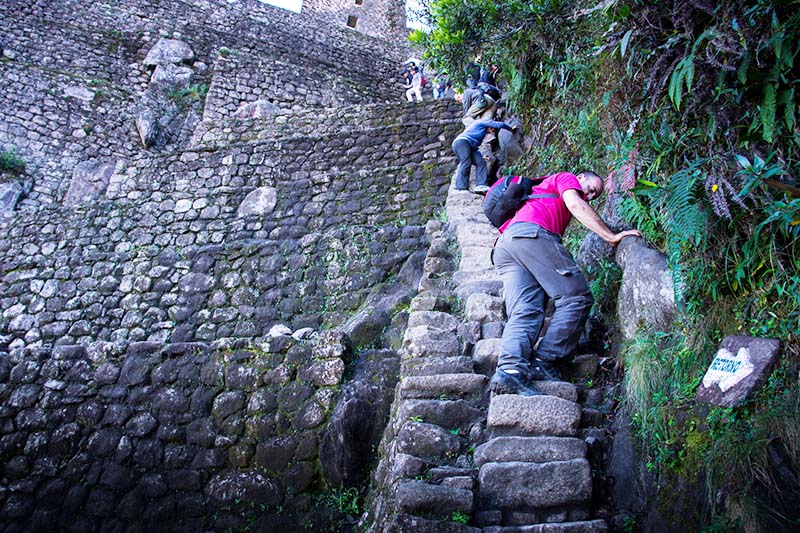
504 383
481 189
544 371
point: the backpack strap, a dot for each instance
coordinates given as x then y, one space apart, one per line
542 195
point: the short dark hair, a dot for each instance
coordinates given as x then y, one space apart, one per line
590 173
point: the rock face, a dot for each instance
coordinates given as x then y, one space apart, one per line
646 295
89 181
740 368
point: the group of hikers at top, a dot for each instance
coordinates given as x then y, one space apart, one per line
529 256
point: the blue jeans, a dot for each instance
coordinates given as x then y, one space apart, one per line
535 265
468 156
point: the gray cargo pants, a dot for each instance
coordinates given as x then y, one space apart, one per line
533 264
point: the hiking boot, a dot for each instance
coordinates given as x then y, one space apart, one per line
481 189
544 371
504 383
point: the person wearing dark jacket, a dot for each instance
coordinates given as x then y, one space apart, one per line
466 146
472 72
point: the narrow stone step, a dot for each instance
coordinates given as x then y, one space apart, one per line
427 441
443 387
450 414
529 450
475 258
429 366
560 389
433 301
589 526
433 319
533 415
405 523
427 341
528 486
461 277
417 497
484 308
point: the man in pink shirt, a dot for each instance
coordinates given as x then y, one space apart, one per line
535 266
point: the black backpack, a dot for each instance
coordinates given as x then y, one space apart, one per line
508 195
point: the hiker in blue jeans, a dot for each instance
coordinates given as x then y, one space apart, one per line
535 266
466 146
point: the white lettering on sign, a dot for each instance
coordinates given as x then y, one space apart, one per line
727 370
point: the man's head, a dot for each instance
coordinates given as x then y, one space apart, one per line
591 184
478 57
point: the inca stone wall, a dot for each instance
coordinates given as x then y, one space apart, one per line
177 437
75 72
380 18
163 283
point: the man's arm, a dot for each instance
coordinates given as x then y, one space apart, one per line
587 216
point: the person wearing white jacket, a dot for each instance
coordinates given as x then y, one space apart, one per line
416 86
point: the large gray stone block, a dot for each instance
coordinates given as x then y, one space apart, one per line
647 294
517 485
422 498
529 450
591 526
443 386
533 415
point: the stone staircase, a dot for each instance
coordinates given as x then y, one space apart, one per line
456 457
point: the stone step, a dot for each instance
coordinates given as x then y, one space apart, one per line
443 387
589 526
433 301
405 523
429 366
484 308
418 497
429 442
530 486
529 450
433 319
431 342
533 416
461 277
450 414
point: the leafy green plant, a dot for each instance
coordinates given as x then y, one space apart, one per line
345 500
459 518
10 162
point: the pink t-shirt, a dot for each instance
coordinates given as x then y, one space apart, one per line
550 213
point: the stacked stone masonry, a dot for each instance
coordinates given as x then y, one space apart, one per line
178 437
77 72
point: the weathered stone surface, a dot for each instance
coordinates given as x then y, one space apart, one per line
257 109
259 202
231 487
430 342
443 386
427 441
168 51
590 526
89 181
529 450
740 368
533 415
485 355
10 194
172 76
422 498
449 414
429 366
485 308
530 485
646 295
436 320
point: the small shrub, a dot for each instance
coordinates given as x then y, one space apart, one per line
9 162
459 518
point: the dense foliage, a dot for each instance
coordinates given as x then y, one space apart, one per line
691 107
